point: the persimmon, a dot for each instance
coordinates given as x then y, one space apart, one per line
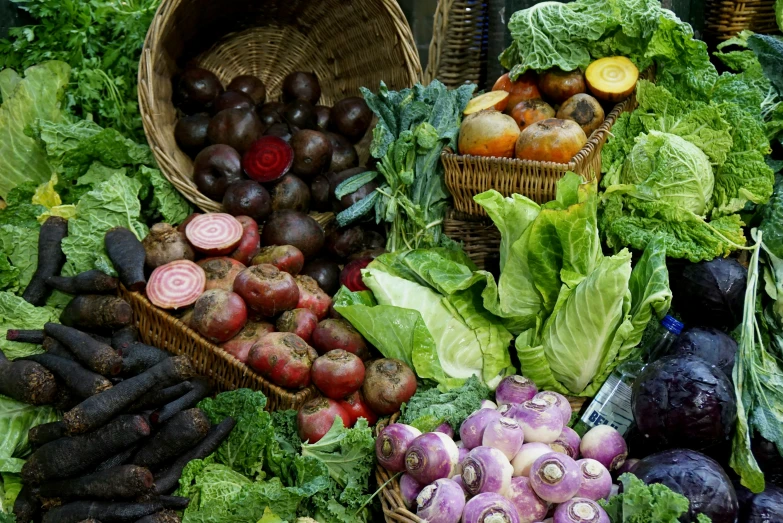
584 110
551 140
558 85
612 79
523 88
531 111
488 133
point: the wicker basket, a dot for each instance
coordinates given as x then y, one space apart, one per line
348 44
726 18
458 50
467 176
479 236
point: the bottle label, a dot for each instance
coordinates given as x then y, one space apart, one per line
611 406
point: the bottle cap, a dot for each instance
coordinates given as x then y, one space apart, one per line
672 325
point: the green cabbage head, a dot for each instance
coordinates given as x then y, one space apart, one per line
665 166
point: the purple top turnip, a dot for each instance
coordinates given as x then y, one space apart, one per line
441 502
505 408
446 429
489 508
471 432
393 443
567 443
409 488
580 510
606 445
515 390
555 477
540 421
529 453
463 453
486 470
529 506
559 401
596 480
504 434
488 404
458 480
431 456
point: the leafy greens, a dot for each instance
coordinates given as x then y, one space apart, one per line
640 503
16 419
429 408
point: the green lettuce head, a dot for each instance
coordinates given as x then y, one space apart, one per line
665 166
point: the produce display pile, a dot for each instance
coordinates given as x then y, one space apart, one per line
623 365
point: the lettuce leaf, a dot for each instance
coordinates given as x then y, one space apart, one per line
16 419
15 313
10 485
38 95
18 257
640 503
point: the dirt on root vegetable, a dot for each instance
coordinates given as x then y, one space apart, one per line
338 374
221 272
267 290
333 334
284 359
312 297
219 315
316 417
287 258
301 322
388 383
239 346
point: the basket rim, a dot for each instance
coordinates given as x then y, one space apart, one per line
167 164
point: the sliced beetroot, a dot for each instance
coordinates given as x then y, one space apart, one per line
267 290
214 233
351 275
284 359
250 243
339 334
301 322
181 227
239 346
268 159
221 272
176 284
312 297
219 315
287 258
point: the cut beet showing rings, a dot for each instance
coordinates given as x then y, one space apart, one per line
214 233
268 159
176 284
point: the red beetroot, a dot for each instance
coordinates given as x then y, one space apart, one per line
351 275
268 159
239 346
221 272
250 243
338 373
388 383
301 322
339 334
181 226
316 417
312 297
282 358
214 233
267 290
285 257
357 408
219 315
176 284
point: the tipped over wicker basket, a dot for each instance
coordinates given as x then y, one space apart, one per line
347 43
725 18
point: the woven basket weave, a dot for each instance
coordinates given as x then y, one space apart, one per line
458 50
467 176
480 237
346 43
725 18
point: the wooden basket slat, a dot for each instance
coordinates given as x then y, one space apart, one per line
725 18
459 42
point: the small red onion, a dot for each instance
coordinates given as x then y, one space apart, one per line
446 429
567 443
555 477
528 454
596 480
441 502
580 510
558 400
486 470
409 488
504 434
515 390
540 421
529 506
393 443
606 445
488 404
431 456
471 432
489 508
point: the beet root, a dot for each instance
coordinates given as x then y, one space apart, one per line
267 290
325 272
165 244
339 334
287 227
219 315
301 322
221 272
388 383
338 374
312 297
284 359
250 243
287 258
239 346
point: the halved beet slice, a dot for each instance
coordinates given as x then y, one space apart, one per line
268 159
215 233
351 275
176 284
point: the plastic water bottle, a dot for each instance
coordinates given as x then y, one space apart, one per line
612 405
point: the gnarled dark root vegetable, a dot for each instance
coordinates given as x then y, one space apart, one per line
88 282
50 259
26 381
388 383
165 244
127 254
